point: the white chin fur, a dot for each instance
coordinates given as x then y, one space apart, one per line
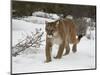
55 33
49 36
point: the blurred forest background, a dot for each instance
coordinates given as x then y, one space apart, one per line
20 8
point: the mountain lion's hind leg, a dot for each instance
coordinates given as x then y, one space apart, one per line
74 48
67 49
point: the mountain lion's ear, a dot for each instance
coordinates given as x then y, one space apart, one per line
57 23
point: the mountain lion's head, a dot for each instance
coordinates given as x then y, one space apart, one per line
52 29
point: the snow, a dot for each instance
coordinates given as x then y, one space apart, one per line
90 33
37 20
33 59
45 15
69 17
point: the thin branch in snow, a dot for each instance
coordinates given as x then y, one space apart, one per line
33 40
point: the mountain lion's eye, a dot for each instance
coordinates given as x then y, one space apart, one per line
46 29
53 30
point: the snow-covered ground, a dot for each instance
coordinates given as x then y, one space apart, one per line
32 60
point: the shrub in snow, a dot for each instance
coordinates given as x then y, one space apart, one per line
90 34
81 25
33 40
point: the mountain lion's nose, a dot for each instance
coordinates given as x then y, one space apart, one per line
50 33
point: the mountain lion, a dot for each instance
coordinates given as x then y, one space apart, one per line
61 32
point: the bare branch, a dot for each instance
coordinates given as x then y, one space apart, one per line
30 41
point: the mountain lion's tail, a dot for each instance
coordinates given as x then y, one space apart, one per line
79 37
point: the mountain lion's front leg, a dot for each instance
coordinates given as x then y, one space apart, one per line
60 51
48 51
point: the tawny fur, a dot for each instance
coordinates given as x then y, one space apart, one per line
62 32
